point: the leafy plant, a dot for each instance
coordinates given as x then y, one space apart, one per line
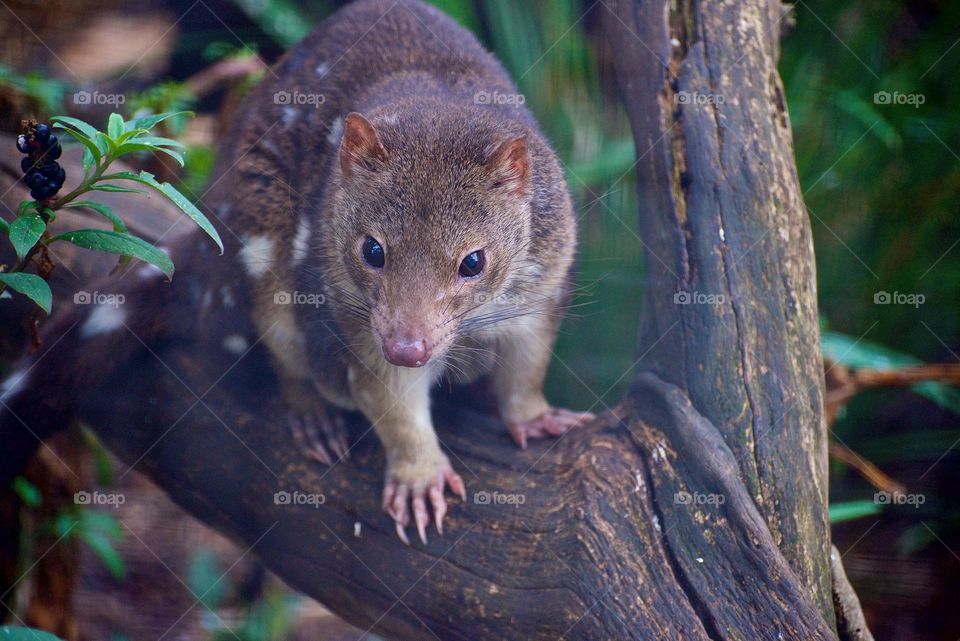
20 633
28 231
267 619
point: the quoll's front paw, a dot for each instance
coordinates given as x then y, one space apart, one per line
413 484
554 422
321 432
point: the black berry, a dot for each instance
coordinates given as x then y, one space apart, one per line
35 179
42 173
53 149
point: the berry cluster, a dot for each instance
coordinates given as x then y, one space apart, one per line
43 174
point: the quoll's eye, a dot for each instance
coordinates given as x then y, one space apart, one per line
373 253
473 264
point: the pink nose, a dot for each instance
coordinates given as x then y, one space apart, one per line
406 353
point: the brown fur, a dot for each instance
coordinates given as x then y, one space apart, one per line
431 175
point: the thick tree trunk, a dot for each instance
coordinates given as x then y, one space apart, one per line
726 235
695 510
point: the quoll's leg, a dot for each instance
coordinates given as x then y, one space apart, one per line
522 359
396 401
318 428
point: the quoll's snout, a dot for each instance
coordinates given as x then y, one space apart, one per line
406 351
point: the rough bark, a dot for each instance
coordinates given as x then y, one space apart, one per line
723 222
695 510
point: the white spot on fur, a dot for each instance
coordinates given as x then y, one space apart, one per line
13 385
723 236
301 241
267 144
235 343
391 120
357 526
103 319
288 115
336 132
322 69
226 297
257 254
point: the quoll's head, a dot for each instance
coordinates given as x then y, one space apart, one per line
430 221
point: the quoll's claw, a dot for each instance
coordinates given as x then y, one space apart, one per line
554 422
321 433
403 499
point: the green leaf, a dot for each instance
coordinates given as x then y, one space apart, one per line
103 210
865 354
31 286
118 243
18 633
840 512
103 546
133 133
88 142
134 145
25 206
87 162
86 129
178 199
104 143
4 226
117 188
158 141
115 126
149 122
25 231
27 492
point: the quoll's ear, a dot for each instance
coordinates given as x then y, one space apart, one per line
360 147
508 163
